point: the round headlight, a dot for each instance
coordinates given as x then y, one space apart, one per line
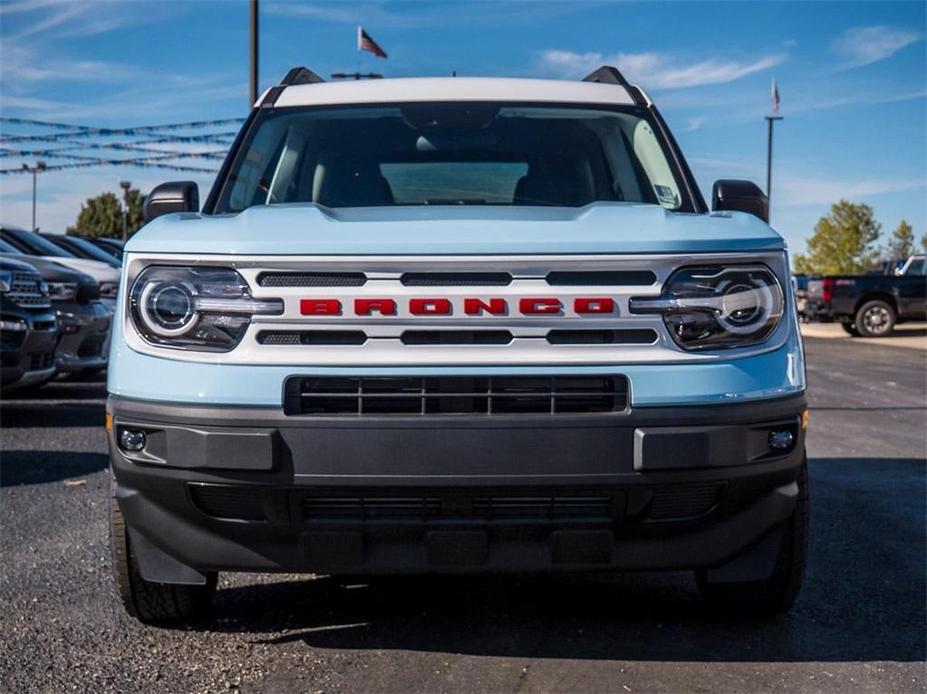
167 308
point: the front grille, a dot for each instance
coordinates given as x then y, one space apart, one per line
312 279
455 395
685 500
25 290
604 278
602 337
41 360
456 337
312 337
456 279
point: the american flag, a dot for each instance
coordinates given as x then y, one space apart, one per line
365 43
775 98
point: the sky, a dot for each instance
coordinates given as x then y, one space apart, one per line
852 77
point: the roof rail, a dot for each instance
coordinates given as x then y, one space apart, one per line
300 75
296 75
608 74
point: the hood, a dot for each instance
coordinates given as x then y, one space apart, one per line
100 272
598 228
7 262
53 271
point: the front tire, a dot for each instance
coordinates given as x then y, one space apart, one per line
153 603
777 593
875 319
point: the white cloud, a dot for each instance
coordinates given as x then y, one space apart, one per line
659 70
694 123
418 15
53 18
24 65
865 45
793 191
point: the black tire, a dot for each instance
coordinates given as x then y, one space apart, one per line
850 329
776 594
875 319
153 603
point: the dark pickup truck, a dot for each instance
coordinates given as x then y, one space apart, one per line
871 305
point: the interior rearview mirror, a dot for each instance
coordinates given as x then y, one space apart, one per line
176 196
740 196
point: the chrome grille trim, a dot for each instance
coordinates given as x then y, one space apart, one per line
529 345
25 291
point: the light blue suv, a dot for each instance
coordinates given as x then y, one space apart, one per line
456 325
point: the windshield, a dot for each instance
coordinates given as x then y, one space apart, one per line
7 248
84 249
33 244
451 154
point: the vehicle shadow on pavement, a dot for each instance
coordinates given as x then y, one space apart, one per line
863 600
60 403
38 467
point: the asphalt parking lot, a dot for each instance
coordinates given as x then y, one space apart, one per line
858 625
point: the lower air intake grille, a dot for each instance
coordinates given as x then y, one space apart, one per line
685 500
238 503
460 395
415 509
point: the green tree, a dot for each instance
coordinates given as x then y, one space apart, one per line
102 215
843 242
901 243
924 242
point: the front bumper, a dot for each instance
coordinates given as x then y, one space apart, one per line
28 356
84 340
251 489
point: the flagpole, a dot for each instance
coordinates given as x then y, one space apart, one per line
770 121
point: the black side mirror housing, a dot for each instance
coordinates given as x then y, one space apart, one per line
740 196
176 196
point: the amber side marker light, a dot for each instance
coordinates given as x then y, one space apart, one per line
804 420
109 422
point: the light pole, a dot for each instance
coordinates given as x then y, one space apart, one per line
253 50
125 185
770 120
34 170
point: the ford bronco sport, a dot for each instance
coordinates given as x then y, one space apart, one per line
456 325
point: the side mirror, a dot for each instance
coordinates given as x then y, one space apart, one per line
740 196
176 196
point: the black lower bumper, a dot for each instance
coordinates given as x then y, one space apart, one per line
28 355
255 490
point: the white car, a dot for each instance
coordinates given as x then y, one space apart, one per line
33 244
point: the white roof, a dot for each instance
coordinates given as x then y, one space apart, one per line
452 89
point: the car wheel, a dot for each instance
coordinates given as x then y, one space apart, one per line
777 593
850 329
149 602
875 319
